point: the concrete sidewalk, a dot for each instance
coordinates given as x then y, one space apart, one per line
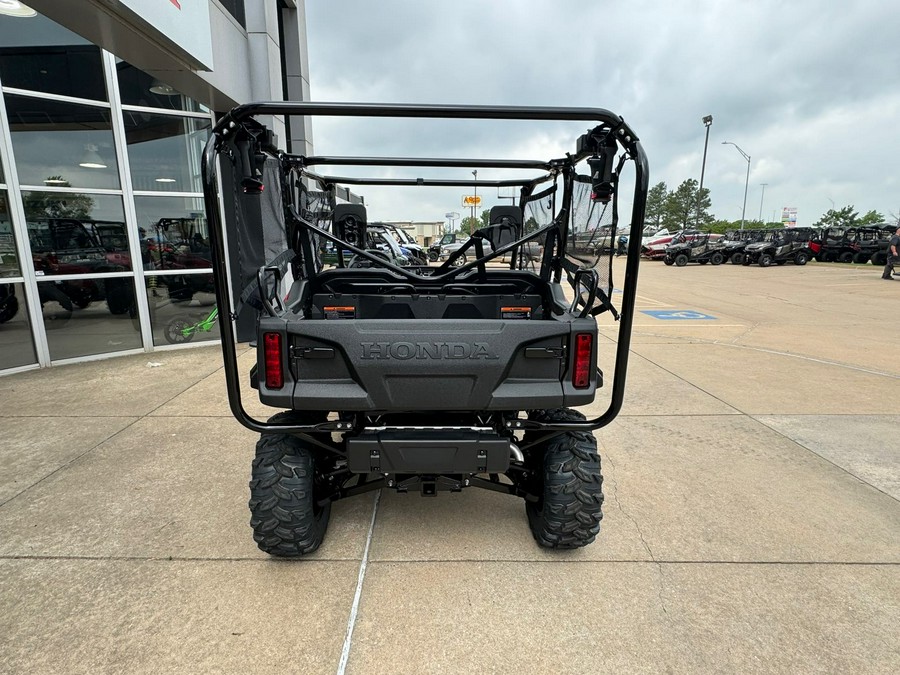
752 514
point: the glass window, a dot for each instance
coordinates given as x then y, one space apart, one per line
164 151
64 144
41 55
89 316
16 345
76 233
9 259
236 9
174 233
182 308
139 88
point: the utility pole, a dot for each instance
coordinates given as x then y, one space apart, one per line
761 200
746 182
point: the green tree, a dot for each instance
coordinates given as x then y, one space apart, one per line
845 217
687 206
871 218
57 205
656 205
469 224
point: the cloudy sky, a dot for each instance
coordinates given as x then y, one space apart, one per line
809 89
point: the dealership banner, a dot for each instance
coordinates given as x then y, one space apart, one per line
789 216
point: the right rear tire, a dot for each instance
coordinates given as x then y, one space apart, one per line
284 488
569 510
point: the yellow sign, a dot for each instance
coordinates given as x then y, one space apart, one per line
472 200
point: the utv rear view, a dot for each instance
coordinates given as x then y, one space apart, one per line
424 377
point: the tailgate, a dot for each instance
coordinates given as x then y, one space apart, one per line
438 365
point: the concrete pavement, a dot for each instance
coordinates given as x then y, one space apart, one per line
752 514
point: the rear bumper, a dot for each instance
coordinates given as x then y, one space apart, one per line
394 451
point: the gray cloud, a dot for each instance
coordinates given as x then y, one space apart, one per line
808 89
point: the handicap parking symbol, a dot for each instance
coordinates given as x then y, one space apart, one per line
677 315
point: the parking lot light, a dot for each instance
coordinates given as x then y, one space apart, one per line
746 183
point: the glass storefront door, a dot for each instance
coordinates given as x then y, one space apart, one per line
103 239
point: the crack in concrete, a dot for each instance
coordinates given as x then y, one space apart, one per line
745 334
661 585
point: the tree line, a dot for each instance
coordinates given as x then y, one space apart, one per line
689 207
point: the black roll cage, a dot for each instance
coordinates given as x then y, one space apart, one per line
611 125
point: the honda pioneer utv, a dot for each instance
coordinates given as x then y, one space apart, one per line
735 241
433 377
698 249
779 247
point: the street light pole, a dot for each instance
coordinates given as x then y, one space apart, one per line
746 183
475 200
707 122
761 197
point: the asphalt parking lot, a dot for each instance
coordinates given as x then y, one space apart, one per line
752 521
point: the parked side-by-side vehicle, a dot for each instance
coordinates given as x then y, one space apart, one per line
426 378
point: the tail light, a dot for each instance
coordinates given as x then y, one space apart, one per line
584 350
273 355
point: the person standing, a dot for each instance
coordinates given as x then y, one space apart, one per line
893 256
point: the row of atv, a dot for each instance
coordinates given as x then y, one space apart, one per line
798 245
747 247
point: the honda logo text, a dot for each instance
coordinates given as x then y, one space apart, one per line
404 351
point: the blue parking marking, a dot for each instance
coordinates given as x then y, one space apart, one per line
677 315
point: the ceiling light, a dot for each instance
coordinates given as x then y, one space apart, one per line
15 8
165 180
55 181
91 159
161 88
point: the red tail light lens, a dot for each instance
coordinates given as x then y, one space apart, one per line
584 349
273 356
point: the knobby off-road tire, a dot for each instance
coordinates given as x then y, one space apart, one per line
737 258
717 259
285 519
569 510
681 260
801 258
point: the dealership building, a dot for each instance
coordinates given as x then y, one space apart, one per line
105 108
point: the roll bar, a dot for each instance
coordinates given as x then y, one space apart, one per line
231 123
